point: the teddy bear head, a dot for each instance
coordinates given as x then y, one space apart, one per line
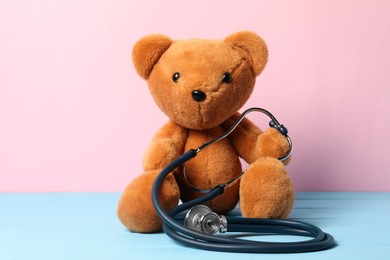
198 83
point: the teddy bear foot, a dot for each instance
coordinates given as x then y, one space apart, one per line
135 209
266 190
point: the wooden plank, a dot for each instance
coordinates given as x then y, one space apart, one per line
85 226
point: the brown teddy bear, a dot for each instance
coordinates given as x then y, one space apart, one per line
200 85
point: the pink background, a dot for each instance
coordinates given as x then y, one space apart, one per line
74 116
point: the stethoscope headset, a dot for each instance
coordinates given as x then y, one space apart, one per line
200 223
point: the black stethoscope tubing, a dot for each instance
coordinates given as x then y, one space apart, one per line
319 239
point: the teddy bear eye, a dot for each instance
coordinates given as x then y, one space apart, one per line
175 76
227 78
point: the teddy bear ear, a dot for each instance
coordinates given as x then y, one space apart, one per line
253 45
147 51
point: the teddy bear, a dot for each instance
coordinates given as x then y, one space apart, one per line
200 85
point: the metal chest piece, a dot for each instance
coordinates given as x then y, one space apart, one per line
202 219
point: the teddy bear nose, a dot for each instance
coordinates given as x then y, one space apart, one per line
198 95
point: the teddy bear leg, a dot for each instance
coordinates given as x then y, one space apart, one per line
135 209
266 190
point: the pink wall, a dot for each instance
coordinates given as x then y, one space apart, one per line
74 116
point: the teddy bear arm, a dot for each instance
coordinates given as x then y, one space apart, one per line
252 143
166 145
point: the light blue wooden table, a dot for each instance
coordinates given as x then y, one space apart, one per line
85 226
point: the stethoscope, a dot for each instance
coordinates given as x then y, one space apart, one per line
200 223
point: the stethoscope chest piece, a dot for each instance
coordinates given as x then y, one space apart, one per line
202 219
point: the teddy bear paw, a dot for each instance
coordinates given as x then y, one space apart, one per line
135 209
266 190
272 143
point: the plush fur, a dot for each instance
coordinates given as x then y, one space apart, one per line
265 190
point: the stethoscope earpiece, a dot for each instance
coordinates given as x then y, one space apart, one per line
281 128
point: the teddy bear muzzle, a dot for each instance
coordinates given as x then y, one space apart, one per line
198 95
